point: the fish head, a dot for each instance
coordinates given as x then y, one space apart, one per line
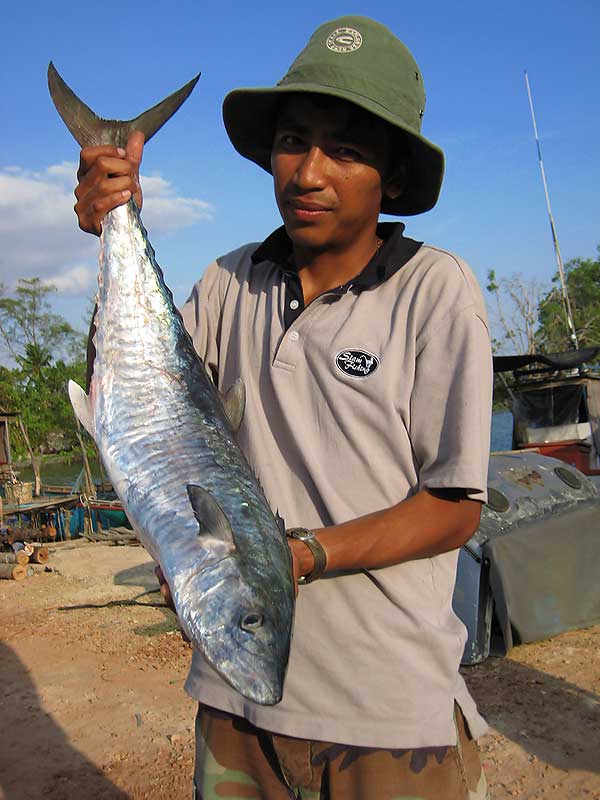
243 630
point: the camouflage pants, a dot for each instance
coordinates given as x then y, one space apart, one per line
235 760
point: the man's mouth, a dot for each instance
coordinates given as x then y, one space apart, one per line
305 209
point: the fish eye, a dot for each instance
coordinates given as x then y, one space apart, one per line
252 621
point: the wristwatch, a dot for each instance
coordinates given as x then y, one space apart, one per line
315 547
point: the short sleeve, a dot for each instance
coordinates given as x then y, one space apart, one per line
451 406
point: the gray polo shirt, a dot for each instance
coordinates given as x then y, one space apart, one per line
373 391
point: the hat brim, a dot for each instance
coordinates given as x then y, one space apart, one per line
250 116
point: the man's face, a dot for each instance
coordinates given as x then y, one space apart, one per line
329 162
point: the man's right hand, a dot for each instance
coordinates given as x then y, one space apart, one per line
164 589
167 596
108 176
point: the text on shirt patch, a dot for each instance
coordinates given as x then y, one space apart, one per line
356 363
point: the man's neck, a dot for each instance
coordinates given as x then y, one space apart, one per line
324 270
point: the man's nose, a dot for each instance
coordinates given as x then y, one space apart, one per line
311 171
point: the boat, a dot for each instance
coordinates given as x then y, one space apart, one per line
24 503
530 571
555 403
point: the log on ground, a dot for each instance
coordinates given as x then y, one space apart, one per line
14 558
14 572
40 555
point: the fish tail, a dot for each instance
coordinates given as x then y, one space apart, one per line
90 130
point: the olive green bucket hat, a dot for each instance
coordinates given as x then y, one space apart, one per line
359 60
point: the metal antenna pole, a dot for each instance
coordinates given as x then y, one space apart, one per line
559 261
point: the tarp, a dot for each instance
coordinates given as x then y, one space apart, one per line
568 360
544 575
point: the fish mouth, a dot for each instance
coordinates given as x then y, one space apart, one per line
259 692
257 679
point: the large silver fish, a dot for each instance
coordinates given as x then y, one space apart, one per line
168 445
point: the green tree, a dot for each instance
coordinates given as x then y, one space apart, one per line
46 408
48 353
30 331
583 285
9 390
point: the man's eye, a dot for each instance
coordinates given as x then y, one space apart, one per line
289 141
348 153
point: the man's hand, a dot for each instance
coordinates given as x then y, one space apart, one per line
108 176
164 589
167 596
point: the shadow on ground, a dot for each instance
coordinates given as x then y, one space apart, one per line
36 757
514 698
141 575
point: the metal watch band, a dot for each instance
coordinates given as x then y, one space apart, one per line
315 547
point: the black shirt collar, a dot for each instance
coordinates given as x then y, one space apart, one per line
391 256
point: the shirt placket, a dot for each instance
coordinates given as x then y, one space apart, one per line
297 318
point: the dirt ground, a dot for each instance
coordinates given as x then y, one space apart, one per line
92 705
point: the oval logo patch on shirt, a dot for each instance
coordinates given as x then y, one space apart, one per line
356 363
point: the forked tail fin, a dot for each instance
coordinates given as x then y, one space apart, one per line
90 129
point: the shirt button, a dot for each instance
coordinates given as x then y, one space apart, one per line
294 336
294 305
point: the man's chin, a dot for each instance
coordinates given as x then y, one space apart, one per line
309 237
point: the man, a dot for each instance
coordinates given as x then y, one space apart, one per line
367 367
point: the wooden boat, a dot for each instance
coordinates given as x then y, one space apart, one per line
23 503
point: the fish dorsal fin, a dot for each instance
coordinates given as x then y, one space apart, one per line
89 129
280 522
234 403
82 407
213 526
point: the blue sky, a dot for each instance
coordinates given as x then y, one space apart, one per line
203 199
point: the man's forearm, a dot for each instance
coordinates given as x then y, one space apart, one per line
422 526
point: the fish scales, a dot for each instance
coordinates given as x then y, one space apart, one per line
171 453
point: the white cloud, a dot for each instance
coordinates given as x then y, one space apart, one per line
39 231
165 212
76 281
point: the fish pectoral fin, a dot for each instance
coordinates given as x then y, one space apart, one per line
234 403
82 407
212 522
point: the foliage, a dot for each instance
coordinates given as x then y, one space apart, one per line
30 332
583 287
517 309
46 409
531 318
48 353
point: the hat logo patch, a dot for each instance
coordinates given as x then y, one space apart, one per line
356 363
344 40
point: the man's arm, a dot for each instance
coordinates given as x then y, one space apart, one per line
423 526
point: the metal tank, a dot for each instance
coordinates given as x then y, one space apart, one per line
531 569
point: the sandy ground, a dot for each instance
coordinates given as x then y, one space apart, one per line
91 699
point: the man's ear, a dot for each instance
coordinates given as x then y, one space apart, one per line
396 181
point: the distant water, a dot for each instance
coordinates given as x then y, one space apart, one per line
502 422
66 473
61 473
